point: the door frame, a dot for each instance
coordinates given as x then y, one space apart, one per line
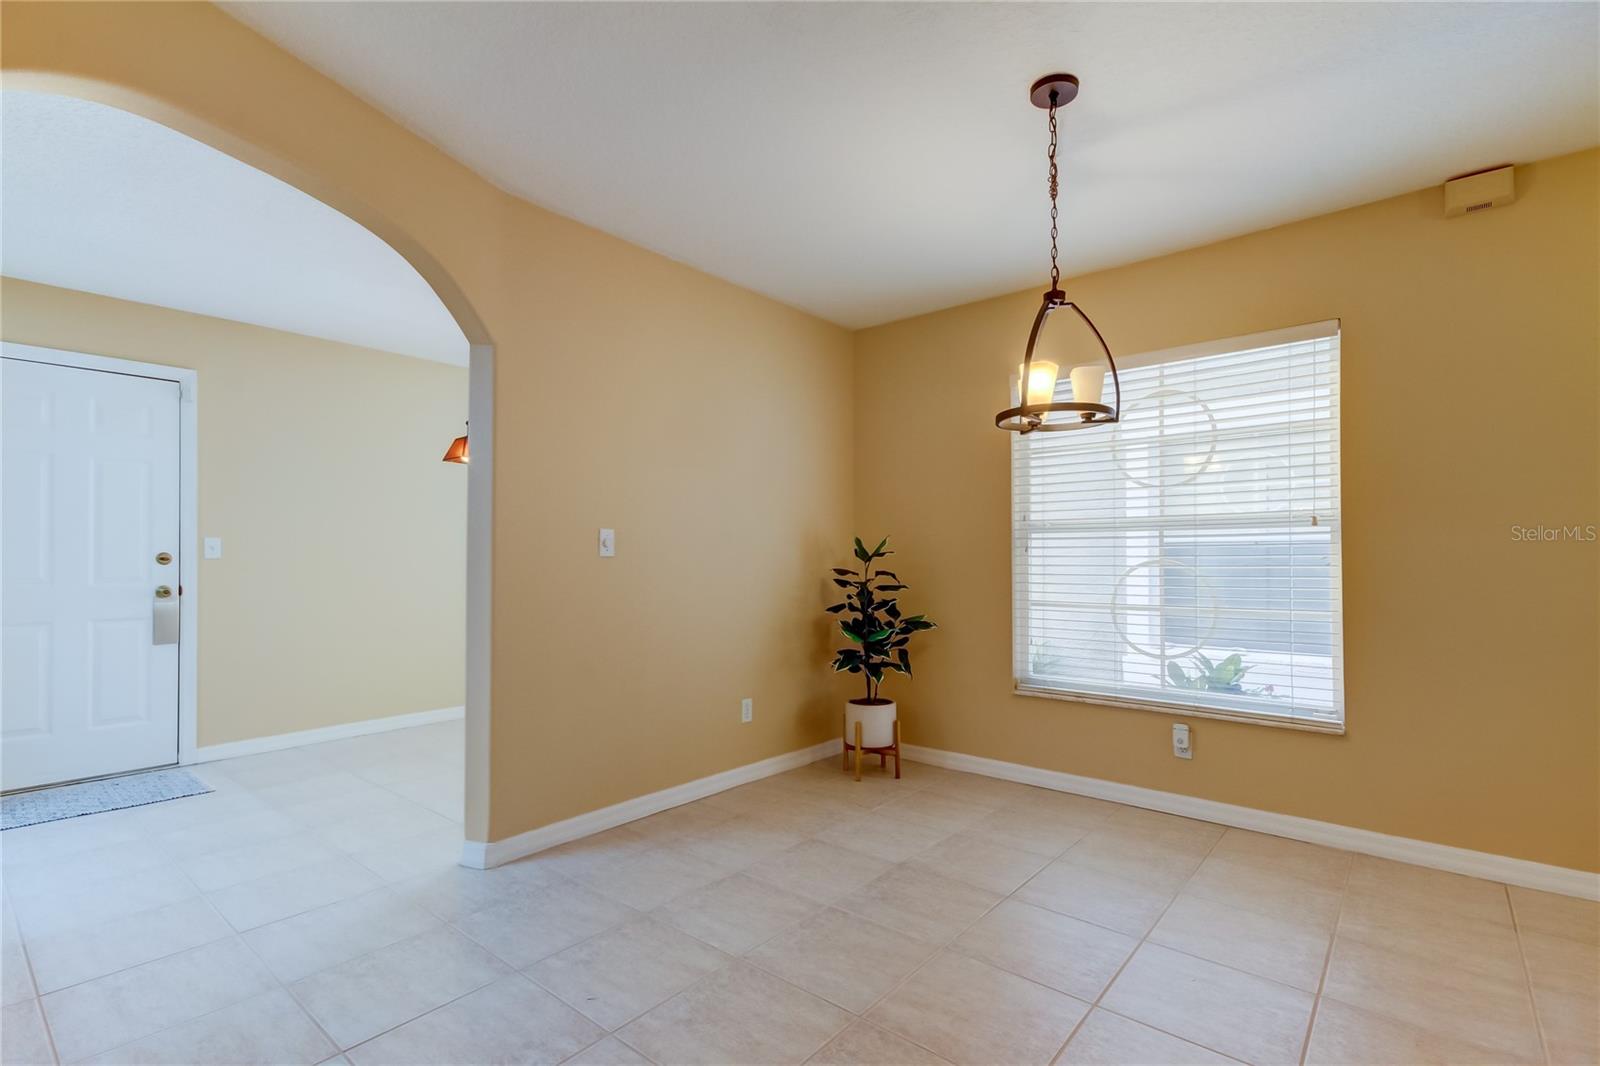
188 382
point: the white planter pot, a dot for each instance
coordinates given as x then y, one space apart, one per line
877 723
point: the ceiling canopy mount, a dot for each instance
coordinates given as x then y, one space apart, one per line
1064 86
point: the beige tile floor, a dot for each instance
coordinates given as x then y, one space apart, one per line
310 910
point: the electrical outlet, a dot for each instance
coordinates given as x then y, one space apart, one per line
1180 742
747 709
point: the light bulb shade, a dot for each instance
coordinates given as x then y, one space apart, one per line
458 451
1088 383
1063 335
1041 379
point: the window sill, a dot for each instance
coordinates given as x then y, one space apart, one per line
1275 721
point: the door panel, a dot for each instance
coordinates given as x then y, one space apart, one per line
25 660
119 655
27 519
90 496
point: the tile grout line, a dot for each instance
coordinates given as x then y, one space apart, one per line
636 915
38 997
445 923
1145 939
948 945
386 886
745 956
284 986
232 934
238 936
459 824
1527 975
149 839
434 1010
1327 961
1106 928
132 966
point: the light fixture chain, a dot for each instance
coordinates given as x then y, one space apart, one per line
1055 269
1035 383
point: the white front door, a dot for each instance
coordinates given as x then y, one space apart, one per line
89 509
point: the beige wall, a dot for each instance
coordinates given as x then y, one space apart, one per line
722 461
339 596
1471 701
711 429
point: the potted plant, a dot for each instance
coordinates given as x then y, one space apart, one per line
879 635
1209 676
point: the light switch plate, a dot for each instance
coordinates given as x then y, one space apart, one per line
608 543
213 548
747 709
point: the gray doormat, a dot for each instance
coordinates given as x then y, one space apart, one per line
93 797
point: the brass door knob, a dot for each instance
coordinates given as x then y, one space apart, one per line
164 558
163 591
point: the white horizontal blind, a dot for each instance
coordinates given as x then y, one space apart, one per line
1202 527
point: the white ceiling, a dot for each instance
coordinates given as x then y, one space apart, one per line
871 161
97 199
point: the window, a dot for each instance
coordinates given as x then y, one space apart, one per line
1187 558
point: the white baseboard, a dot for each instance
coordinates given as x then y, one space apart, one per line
1483 864
279 741
481 856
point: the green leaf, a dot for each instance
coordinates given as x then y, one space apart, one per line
1175 672
842 572
836 608
878 552
849 632
861 551
892 588
842 583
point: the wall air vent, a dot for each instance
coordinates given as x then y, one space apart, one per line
1480 191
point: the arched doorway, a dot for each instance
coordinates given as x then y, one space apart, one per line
479 408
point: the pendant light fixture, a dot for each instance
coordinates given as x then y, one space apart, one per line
457 452
1058 338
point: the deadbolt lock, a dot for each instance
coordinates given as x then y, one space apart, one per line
163 591
163 558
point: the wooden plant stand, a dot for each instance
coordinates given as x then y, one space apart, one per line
882 753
